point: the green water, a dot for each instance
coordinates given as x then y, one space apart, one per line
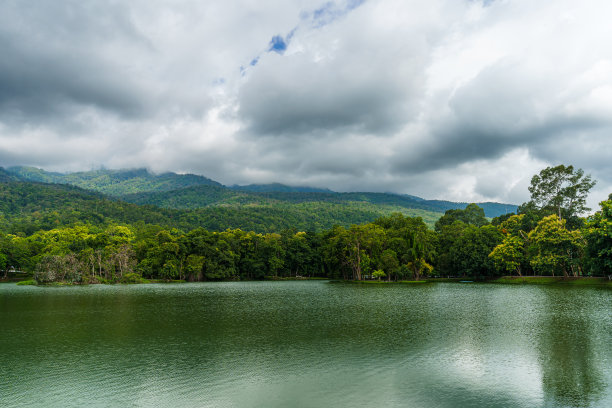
305 344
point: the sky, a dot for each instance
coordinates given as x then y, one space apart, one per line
462 100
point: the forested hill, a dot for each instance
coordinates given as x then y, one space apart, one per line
27 207
277 187
188 191
203 196
114 182
5 176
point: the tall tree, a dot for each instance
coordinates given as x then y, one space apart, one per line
562 190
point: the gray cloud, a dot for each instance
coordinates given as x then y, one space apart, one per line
462 100
346 85
296 97
53 58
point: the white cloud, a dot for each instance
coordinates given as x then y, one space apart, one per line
461 100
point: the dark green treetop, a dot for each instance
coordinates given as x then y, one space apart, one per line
471 215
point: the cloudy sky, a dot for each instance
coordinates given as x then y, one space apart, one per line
455 99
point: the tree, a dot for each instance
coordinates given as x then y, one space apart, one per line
362 245
419 267
598 233
470 251
379 273
509 255
389 263
561 190
169 270
554 248
275 253
421 249
446 262
471 215
194 265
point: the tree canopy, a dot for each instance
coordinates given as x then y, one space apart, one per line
562 190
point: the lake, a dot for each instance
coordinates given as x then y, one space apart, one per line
305 344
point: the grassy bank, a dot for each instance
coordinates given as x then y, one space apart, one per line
554 280
514 280
380 282
292 278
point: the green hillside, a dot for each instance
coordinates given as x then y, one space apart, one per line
26 207
114 182
277 187
188 191
5 176
205 196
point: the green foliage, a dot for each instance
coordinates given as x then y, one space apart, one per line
133 277
29 282
187 202
170 190
447 239
598 233
554 249
553 280
509 255
64 234
29 207
355 248
389 263
464 250
115 182
561 190
419 268
471 215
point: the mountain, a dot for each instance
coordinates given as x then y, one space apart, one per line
205 196
5 176
114 182
191 192
278 188
27 207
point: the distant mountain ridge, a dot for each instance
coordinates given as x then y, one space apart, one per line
279 188
203 196
189 191
114 182
29 206
5 176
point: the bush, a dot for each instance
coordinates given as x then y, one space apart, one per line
27 282
133 278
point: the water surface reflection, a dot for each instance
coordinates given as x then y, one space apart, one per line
305 344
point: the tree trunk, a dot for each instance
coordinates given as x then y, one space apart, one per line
358 263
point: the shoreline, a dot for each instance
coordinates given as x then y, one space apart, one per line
508 280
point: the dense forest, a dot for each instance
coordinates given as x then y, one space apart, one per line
189 191
99 239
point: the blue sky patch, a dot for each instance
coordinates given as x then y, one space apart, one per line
277 44
330 11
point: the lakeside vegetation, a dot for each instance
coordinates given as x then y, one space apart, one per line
99 240
555 280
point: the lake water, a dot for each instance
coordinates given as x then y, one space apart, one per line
305 344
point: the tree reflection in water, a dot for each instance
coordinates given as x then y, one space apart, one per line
571 373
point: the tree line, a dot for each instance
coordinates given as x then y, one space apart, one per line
547 236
